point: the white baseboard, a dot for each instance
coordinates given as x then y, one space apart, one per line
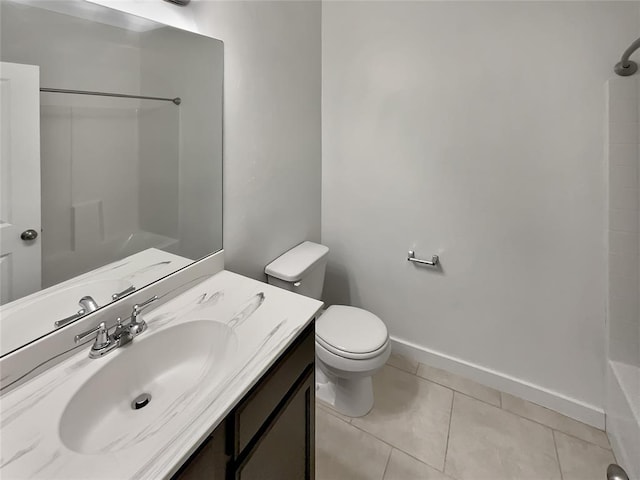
571 407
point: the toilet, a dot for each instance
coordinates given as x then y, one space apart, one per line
351 343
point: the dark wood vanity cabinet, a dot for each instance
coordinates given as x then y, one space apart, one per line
270 434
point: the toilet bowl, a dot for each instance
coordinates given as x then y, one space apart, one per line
351 343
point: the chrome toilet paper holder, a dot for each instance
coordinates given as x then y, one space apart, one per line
435 260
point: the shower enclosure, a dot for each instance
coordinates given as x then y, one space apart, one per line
622 405
99 158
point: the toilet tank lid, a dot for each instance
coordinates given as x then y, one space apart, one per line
293 265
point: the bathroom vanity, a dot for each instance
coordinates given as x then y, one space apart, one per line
229 370
122 153
270 433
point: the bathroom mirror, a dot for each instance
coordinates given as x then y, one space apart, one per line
111 159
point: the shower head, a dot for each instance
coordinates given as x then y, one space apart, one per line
626 67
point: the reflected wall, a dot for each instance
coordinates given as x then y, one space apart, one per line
123 180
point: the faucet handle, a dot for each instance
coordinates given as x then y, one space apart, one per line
119 330
102 337
136 327
138 307
119 295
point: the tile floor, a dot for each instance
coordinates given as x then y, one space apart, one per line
431 424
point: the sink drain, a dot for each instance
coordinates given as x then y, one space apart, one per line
141 401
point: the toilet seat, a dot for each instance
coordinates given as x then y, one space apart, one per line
351 355
351 332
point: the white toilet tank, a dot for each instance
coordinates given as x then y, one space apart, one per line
300 270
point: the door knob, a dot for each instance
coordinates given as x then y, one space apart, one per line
30 234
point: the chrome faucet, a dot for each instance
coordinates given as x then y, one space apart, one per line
102 345
88 305
122 334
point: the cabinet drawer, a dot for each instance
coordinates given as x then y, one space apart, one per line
264 397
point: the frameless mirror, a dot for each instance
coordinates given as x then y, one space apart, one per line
110 159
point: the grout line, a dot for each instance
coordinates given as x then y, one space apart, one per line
329 409
573 436
366 433
553 429
463 393
386 442
561 431
546 424
402 370
386 465
446 448
555 446
551 411
415 370
606 418
378 438
335 414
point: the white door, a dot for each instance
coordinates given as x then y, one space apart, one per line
20 254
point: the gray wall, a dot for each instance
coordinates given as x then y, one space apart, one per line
475 130
272 146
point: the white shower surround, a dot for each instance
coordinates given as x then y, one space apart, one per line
622 404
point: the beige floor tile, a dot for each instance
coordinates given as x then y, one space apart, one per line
403 363
344 452
460 384
409 413
580 460
554 420
486 442
404 467
327 408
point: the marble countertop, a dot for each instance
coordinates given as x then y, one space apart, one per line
264 319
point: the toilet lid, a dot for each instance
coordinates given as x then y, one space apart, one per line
351 330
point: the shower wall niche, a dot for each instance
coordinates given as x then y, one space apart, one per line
623 315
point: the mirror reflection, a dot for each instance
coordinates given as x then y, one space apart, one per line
111 159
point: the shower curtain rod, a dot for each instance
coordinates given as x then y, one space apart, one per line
176 100
626 67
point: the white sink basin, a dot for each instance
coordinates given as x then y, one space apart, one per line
171 366
19 325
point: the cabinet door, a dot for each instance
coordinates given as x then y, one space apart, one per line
208 462
286 449
267 396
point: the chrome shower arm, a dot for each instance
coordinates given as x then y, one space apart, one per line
626 67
